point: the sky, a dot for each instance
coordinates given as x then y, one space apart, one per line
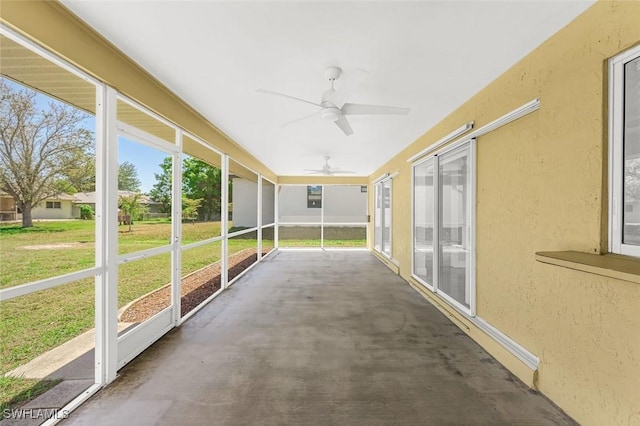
146 159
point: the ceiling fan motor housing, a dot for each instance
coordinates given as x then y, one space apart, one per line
330 113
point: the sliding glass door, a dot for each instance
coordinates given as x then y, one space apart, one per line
382 216
424 213
454 236
443 228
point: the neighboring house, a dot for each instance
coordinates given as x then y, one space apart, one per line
61 206
64 206
245 205
8 208
343 204
154 208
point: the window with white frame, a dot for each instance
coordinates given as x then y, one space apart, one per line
53 205
624 153
444 224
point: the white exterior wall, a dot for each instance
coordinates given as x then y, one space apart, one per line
245 203
292 205
344 203
341 204
268 203
64 212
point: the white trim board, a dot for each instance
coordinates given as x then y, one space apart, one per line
527 357
448 138
517 113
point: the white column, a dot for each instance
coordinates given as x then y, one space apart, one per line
106 285
176 231
224 217
259 233
276 213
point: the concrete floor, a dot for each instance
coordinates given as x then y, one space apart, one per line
317 338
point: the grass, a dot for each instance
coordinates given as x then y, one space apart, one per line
14 391
27 265
19 265
33 324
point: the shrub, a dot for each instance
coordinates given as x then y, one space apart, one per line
86 211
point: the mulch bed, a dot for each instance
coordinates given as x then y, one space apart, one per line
196 287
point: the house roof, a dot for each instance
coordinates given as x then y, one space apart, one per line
90 197
63 197
60 197
86 197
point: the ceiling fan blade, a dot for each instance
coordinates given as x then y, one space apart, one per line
349 84
301 118
270 92
357 109
344 125
342 171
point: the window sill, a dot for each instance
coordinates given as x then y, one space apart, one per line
609 265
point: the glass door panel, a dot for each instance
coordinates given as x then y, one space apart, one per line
386 217
377 219
423 221
454 212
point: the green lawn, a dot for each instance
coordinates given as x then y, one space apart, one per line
33 324
22 261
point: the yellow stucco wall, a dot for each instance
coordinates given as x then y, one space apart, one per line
541 185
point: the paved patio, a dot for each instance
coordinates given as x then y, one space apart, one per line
317 338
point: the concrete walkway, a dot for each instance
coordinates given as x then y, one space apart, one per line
317 338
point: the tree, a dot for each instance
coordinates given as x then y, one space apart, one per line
201 180
128 177
37 147
190 208
161 191
82 177
132 207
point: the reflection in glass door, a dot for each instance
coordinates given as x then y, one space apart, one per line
454 236
423 261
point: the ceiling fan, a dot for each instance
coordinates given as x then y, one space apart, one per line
327 170
333 104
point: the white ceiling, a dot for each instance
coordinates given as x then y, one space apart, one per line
429 56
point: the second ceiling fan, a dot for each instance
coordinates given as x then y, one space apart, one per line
333 104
